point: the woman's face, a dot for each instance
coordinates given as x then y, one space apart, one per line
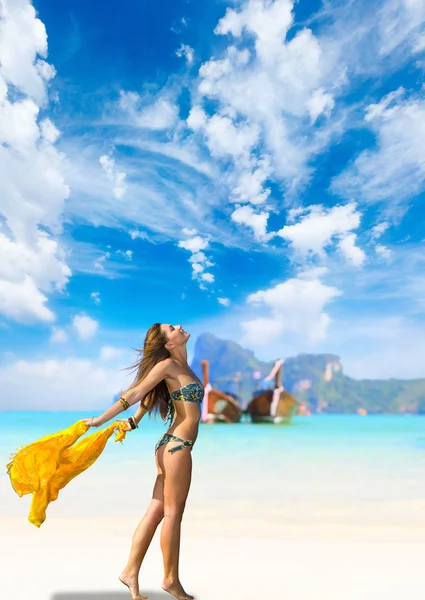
175 334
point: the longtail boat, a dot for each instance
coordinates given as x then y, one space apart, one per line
273 406
217 406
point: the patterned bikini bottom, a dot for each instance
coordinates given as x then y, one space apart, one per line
167 437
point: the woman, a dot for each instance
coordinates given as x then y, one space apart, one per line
164 383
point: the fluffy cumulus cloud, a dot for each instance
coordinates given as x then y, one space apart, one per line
187 52
85 326
196 244
33 263
318 227
224 301
256 221
354 254
58 335
294 306
95 296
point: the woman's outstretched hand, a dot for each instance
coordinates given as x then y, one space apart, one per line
93 422
126 423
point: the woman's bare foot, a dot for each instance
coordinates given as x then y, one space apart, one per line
175 588
132 583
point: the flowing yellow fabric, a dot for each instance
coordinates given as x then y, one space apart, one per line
47 465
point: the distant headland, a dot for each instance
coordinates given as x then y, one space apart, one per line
317 380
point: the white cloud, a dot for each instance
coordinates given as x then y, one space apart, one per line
127 254
23 40
27 270
268 21
395 170
224 301
85 326
95 296
189 232
23 302
41 260
18 124
116 177
194 244
320 227
379 229
383 251
319 103
295 306
401 23
157 115
187 52
55 384
100 261
224 138
208 277
109 353
32 188
58 335
49 131
250 185
419 44
136 234
352 253
199 259
245 215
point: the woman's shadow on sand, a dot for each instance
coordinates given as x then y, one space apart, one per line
107 595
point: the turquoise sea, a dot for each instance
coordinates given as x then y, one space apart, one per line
335 469
399 437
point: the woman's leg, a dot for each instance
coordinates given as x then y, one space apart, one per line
177 468
143 536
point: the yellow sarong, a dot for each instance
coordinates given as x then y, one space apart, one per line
47 465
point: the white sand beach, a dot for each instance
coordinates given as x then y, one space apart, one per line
241 556
80 560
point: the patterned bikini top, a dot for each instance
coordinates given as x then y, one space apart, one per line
192 392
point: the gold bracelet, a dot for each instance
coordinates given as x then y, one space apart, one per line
124 403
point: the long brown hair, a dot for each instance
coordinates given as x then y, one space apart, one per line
154 351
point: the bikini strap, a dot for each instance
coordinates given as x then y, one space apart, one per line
184 444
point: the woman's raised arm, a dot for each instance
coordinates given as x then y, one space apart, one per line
136 393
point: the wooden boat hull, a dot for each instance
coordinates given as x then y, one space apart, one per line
222 408
260 405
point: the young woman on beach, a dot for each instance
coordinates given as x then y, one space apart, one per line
164 383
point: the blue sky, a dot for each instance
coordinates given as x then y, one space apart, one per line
249 168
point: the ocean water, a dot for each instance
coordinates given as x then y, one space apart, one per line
323 469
